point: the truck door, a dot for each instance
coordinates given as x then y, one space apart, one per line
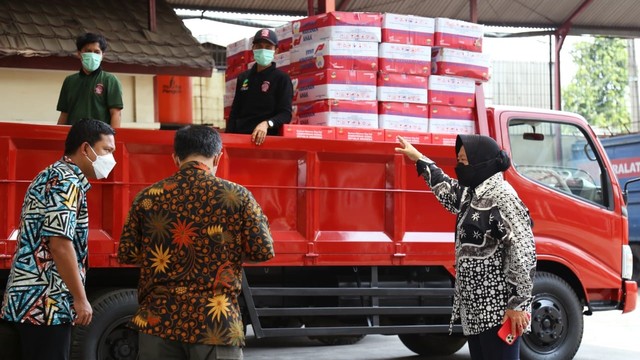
560 175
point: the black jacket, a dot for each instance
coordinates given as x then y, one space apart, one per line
260 96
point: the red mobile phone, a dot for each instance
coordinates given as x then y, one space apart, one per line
505 332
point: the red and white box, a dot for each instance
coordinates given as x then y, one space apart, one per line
283 61
338 25
359 134
454 62
451 90
407 59
240 52
229 92
411 136
335 84
226 112
334 54
403 116
343 113
285 37
232 72
445 119
407 29
458 34
443 139
308 132
402 88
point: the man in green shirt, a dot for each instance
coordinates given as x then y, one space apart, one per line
91 92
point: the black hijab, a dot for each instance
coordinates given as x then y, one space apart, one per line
485 159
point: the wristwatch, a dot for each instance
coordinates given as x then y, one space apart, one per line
270 123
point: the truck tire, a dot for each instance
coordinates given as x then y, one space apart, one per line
433 344
106 337
556 321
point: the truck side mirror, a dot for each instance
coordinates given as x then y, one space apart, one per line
624 192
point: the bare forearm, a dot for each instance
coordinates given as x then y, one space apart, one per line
64 256
115 117
62 119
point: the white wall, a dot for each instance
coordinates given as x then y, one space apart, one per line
32 95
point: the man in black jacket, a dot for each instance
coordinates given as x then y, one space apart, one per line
262 102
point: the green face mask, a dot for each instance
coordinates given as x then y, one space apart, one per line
263 57
91 61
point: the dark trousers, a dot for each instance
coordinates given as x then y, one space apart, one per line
44 342
156 348
488 346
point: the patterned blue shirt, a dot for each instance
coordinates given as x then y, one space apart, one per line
55 205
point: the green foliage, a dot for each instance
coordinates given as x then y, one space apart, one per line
598 90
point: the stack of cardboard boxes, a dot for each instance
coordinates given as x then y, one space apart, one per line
371 76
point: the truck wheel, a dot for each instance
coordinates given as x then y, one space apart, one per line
338 340
433 344
556 321
106 337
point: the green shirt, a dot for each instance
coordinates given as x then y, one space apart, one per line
90 96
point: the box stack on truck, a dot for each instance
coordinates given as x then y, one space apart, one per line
362 245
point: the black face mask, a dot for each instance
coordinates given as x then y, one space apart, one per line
465 174
473 175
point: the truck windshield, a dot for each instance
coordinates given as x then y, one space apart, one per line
559 156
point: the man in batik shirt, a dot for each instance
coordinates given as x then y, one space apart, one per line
45 293
190 234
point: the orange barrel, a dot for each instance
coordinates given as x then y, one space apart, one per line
174 97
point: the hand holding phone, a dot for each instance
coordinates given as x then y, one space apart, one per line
505 332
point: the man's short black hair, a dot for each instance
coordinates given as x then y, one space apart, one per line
197 140
89 38
86 130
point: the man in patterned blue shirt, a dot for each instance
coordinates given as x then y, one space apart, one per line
45 292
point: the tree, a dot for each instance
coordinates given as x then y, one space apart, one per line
598 90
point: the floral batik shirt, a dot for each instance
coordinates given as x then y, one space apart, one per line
55 205
495 249
190 234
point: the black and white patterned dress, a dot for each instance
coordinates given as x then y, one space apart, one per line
495 249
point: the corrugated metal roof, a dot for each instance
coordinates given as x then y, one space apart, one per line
613 17
48 28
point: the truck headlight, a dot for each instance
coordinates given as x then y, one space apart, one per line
627 262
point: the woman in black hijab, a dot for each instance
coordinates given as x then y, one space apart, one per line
495 249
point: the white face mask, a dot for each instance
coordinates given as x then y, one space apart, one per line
103 164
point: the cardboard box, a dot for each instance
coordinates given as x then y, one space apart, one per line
285 37
407 29
335 84
410 136
225 112
403 116
334 54
461 63
342 113
338 25
407 59
232 72
402 88
359 134
308 131
450 90
229 92
458 34
443 139
445 119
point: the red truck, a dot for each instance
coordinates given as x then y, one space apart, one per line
362 246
